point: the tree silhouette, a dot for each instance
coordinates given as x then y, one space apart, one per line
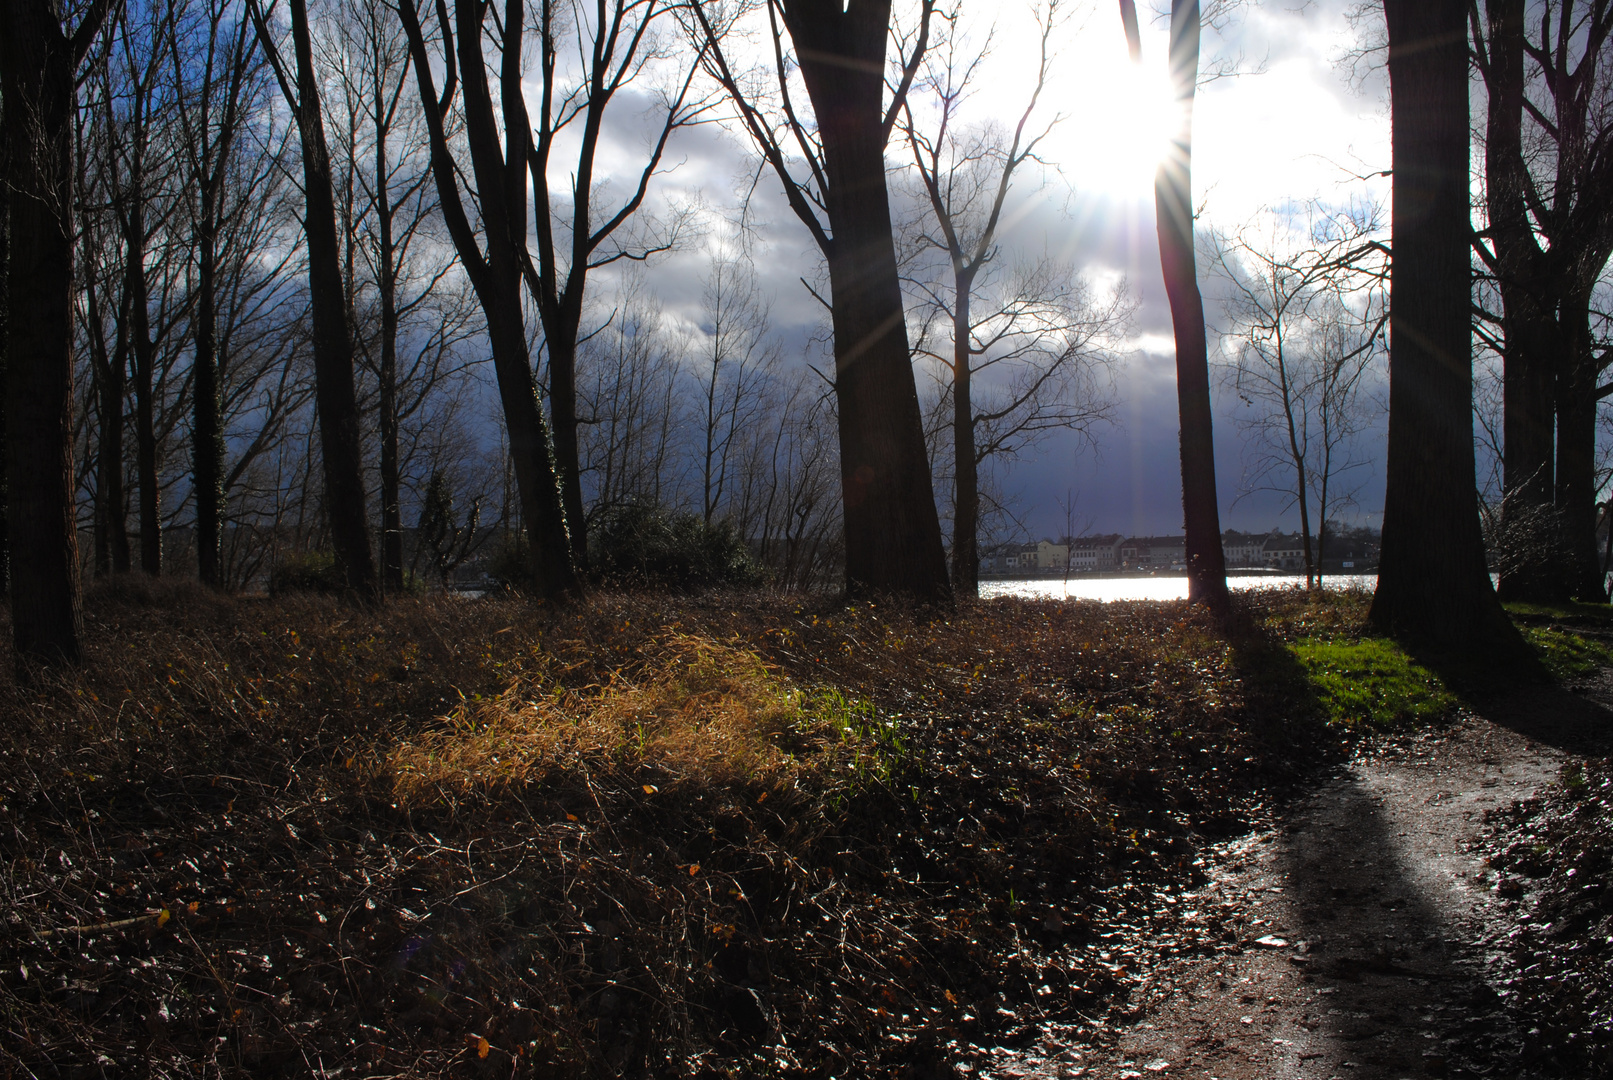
1433 584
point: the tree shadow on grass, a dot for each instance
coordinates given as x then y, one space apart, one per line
1572 716
1281 706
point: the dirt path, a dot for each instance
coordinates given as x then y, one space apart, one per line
1359 936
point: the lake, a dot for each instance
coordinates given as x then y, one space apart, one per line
1153 588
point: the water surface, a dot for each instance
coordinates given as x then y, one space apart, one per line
1153 588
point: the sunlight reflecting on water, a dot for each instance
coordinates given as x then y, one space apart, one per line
1155 588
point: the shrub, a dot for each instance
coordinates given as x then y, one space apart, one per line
647 547
307 572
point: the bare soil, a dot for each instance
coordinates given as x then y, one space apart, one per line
1359 932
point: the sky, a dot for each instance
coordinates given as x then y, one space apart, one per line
1294 125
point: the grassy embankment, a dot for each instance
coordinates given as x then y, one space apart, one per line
682 836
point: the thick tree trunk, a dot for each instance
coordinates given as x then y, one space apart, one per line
1576 454
5 308
1173 209
37 66
1529 328
549 547
563 413
1433 584
966 467
339 429
893 536
207 450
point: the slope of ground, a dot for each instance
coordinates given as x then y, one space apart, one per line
740 835
1435 907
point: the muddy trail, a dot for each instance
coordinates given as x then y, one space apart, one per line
1359 932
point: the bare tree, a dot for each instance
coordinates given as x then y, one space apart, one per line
833 172
630 409
732 358
1173 212
339 422
1549 234
501 192
411 313
618 46
40 56
1029 330
1433 584
784 501
215 61
1306 314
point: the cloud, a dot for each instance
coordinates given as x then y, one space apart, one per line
1297 130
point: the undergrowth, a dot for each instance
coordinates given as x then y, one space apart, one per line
634 836
674 837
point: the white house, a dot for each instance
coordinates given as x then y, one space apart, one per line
1090 553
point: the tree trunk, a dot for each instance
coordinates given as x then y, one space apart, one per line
563 414
337 403
501 183
207 450
1576 454
1173 209
37 69
1433 584
966 466
144 352
893 536
111 531
391 483
5 309
1528 325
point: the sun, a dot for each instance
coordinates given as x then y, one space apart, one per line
1119 122
1116 117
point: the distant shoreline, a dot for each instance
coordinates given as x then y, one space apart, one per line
1232 571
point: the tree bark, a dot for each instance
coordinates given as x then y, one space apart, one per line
1528 323
38 63
391 484
1576 453
5 318
500 177
1433 584
336 400
1173 209
145 428
112 554
893 535
207 449
966 464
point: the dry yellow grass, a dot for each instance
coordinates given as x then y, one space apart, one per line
706 712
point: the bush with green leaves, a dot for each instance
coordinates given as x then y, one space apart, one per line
643 546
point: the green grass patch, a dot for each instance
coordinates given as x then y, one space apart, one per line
1566 654
1372 682
1569 609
